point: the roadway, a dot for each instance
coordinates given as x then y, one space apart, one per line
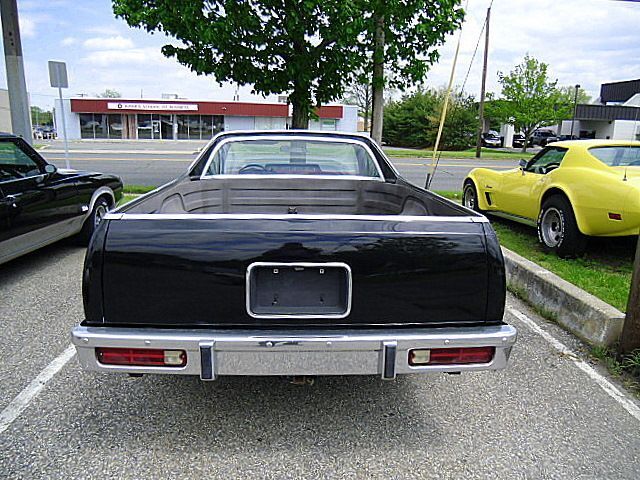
549 415
155 163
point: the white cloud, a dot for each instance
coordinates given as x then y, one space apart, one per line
108 43
27 26
68 41
117 57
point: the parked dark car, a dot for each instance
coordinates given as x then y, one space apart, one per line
543 137
293 253
518 141
41 204
491 139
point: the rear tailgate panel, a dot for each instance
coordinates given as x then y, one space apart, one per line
192 271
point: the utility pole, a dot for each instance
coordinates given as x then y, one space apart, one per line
16 84
630 338
484 84
575 108
377 81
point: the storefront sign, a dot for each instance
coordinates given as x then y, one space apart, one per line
152 106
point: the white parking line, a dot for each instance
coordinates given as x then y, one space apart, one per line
31 391
605 384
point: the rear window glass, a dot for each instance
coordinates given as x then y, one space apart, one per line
618 156
292 157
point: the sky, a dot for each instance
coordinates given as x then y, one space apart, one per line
586 42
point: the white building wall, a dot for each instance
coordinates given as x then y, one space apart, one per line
626 130
270 123
239 123
506 132
349 120
72 120
633 101
5 112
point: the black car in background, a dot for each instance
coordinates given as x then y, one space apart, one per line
41 204
491 139
518 141
543 137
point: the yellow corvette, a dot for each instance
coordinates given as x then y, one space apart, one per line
569 190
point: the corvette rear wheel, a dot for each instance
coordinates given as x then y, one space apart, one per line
558 230
470 197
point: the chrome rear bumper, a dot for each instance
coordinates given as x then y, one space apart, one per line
212 353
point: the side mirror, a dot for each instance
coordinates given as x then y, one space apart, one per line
50 169
522 163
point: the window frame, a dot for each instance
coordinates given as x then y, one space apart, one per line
542 153
204 175
598 147
32 154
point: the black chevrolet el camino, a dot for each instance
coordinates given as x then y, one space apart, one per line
41 204
293 253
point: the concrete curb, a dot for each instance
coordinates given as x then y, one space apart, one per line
579 312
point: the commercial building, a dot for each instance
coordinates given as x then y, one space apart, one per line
615 115
177 119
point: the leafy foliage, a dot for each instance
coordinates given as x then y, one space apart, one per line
309 48
109 93
530 100
413 121
413 31
40 116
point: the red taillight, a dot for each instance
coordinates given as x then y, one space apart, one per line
451 356
143 357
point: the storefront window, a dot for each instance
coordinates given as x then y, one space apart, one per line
217 124
145 126
183 126
195 127
166 127
86 125
115 125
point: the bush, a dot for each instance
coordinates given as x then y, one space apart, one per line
413 121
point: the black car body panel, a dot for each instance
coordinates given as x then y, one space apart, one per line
193 272
40 204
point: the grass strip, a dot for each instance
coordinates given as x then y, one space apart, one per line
138 189
487 154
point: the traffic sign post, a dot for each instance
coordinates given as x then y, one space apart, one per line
59 80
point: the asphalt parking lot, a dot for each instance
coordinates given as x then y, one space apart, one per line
549 415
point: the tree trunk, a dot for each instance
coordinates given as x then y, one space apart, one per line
366 119
300 115
377 81
630 338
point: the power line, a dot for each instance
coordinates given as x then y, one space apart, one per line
475 51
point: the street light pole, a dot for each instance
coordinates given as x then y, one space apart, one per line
575 107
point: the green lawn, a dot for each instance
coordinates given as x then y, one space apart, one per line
138 189
127 197
487 153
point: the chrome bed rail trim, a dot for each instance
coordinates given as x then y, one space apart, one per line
295 352
292 217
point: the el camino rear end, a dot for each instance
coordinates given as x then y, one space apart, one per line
293 253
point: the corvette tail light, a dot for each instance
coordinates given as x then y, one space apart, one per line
451 356
142 357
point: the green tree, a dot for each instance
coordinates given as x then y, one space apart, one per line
530 99
413 121
109 93
40 116
569 92
308 48
401 39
